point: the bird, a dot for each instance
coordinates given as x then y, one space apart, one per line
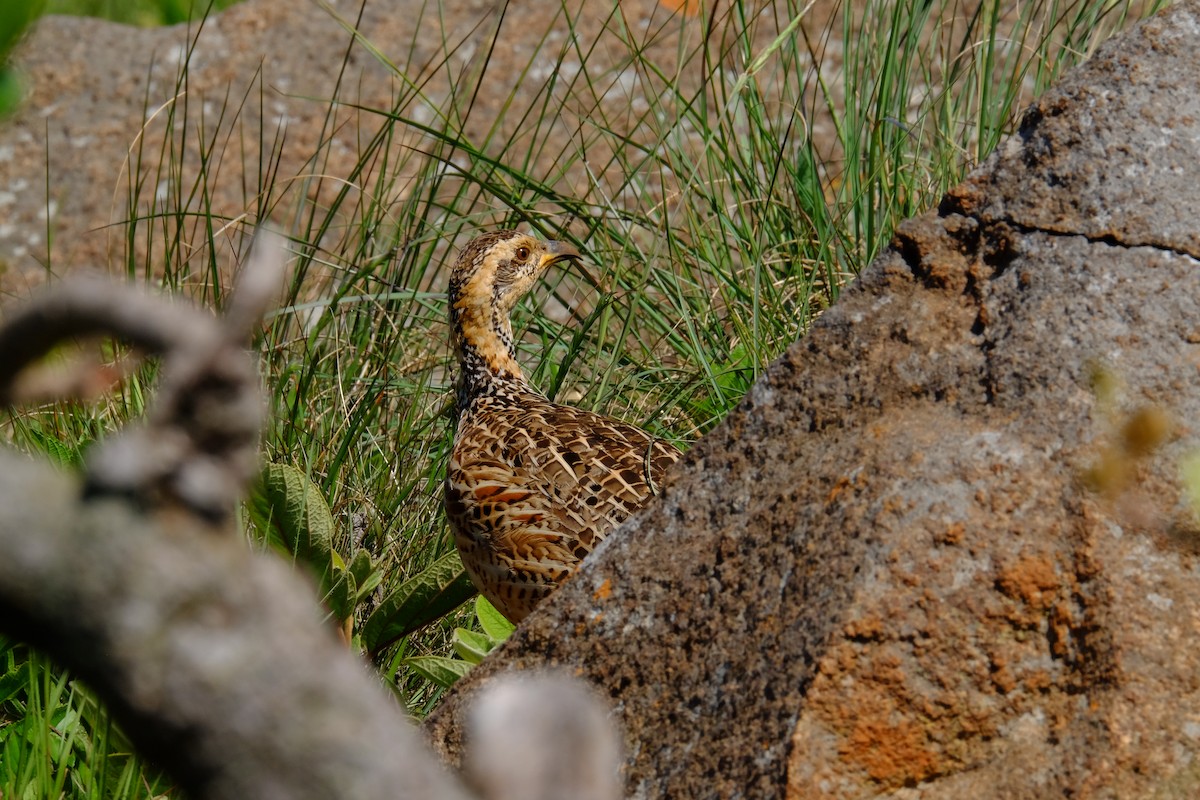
532 486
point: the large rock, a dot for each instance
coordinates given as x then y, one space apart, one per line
942 548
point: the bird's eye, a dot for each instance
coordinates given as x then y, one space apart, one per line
522 254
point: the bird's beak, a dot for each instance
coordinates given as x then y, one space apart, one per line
562 251
559 251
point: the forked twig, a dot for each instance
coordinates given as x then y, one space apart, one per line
198 446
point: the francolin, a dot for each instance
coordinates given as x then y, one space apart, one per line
531 486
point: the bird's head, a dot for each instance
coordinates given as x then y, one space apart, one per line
496 269
492 273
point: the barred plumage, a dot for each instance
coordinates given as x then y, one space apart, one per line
531 486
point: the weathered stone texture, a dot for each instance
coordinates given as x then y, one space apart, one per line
934 553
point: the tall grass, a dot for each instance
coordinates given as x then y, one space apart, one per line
725 176
57 741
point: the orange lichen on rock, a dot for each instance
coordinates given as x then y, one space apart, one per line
892 753
953 534
1032 579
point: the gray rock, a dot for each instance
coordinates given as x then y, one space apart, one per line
942 548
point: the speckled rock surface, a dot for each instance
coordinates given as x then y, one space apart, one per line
942 549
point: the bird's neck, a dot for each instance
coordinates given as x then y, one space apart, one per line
487 356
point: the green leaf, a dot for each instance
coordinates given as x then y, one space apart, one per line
60 452
366 575
432 593
492 621
290 509
443 671
472 645
12 90
341 594
14 681
361 566
15 17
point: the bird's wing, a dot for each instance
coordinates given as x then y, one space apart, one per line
552 481
598 470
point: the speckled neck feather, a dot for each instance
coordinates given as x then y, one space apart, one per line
481 332
484 348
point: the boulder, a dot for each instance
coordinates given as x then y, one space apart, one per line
943 548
